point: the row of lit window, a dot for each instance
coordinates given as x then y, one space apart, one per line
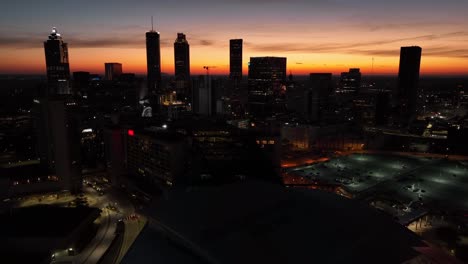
265 142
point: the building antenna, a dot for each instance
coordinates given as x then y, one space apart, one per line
152 23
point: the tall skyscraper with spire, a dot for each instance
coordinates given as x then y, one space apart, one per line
153 61
58 69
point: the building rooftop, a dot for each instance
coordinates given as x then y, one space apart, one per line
256 222
38 221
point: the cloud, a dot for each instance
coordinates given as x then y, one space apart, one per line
367 48
128 42
205 42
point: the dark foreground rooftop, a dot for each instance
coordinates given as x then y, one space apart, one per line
255 222
31 234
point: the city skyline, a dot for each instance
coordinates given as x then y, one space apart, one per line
323 36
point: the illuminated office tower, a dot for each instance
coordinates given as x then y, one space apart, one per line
58 69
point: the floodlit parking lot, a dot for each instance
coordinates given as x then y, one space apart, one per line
410 179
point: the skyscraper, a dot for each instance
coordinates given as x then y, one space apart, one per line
350 81
267 90
317 96
113 70
153 61
182 67
58 69
235 59
408 79
181 58
58 131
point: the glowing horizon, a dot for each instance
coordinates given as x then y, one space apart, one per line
320 36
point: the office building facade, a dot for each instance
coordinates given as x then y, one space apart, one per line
350 82
266 85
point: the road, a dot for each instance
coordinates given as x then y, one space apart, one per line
105 234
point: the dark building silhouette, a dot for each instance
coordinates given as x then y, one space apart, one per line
113 70
58 69
235 59
181 58
350 81
58 132
408 79
81 81
182 67
267 90
317 96
382 106
153 61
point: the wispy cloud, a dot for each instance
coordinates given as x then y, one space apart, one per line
367 48
128 42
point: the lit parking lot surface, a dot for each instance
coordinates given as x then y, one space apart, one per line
408 178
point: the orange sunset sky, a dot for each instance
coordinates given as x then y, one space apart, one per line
315 36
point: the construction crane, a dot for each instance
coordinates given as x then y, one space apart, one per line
207 68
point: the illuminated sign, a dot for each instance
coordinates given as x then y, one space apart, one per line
87 130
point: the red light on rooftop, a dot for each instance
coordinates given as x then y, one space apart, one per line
131 132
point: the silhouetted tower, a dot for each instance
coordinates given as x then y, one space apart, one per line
408 80
58 69
181 58
317 96
350 81
113 70
182 67
153 61
267 89
235 59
